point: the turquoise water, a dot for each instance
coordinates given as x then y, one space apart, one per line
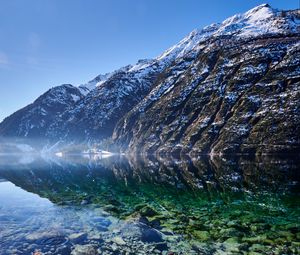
116 205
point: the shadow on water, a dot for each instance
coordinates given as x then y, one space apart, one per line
200 206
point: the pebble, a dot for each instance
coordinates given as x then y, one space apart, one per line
84 250
118 240
77 237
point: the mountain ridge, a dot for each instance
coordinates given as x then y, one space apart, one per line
184 100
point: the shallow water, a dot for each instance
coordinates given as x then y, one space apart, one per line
93 205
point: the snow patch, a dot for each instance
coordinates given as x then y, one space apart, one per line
75 97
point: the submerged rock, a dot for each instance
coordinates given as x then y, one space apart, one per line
151 236
119 240
148 211
86 249
78 237
201 235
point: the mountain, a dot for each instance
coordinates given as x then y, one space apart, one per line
231 87
33 120
239 94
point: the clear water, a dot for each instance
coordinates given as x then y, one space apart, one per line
93 205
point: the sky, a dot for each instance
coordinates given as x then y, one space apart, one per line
44 43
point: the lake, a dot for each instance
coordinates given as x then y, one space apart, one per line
91 204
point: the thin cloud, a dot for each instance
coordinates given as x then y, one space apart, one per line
34 41
3 59
32 60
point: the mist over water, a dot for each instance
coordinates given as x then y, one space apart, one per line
114 205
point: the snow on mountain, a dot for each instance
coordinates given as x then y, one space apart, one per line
261 20
98 80
92 111
34 119
214 102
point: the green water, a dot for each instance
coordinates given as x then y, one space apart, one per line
116 205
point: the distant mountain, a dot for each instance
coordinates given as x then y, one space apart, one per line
34 120
231 87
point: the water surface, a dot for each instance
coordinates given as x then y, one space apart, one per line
118 205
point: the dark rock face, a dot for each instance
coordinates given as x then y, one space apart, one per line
96 115
234 97
240 94
228 88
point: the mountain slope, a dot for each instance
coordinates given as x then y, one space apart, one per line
33 120
239 95
243 97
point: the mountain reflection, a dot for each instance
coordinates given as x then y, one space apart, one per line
60 179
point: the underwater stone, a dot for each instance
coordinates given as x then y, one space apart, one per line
253 253
148 211
232 240
87 249
84 202
285 234
151 236
102 221
119 240
255 239
258 248
269 242
77 237
230 232
201 235
232 223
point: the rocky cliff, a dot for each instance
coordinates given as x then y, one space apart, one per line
238 94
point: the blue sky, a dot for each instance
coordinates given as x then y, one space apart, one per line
44 43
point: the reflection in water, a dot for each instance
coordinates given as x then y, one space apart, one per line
150 205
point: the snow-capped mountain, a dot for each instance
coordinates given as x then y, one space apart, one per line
229 87
33 120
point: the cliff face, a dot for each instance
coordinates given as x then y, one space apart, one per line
231 87
240 94
235 96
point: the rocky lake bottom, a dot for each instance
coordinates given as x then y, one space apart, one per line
117 205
